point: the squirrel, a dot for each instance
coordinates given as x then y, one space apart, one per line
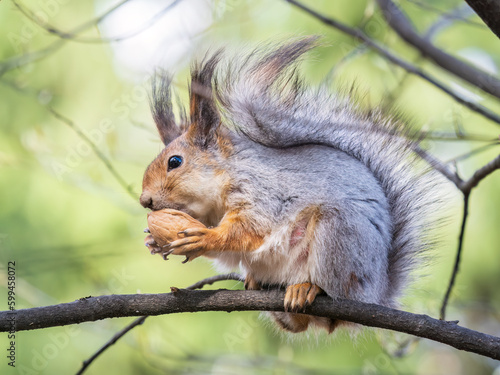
294 186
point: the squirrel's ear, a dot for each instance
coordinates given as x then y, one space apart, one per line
203 112
161 108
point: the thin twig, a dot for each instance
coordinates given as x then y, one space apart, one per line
402 26
73 36
437 165
456 266
27 58
449 18
113 340
480 174
98 152
139 321
473 152
359 35
458 14
466 187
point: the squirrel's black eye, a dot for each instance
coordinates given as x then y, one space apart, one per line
174 162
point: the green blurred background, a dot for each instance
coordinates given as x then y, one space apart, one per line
74 226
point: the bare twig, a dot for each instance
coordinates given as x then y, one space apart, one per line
456 266
437 165
473 152
489 11
73 35
460 13
96 308
480 174
402 26
466 187
359 35
449 19
27 58
139 321
113 340
98 152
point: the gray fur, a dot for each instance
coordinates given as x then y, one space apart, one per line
295 148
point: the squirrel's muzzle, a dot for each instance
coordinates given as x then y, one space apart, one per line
146 200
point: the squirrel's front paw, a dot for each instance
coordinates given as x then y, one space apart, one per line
193 242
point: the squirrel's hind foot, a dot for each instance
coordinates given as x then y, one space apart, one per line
299 296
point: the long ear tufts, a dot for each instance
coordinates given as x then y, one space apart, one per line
161 108
203 112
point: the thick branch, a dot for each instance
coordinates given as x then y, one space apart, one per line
96 308
402 26
489 11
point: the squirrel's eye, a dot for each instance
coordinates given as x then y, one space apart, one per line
174 162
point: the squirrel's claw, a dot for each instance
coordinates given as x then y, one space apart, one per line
151 244
251 283
299 296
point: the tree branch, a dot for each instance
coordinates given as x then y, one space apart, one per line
96 308
359 35
73 36
137 322
98 153
480 174
451 284
402 26
489 11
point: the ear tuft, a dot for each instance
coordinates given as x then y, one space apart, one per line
161 108
203 111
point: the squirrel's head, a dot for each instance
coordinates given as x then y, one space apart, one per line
188 175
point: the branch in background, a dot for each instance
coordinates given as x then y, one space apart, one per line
448 19
27 58
456 266
139 321
98 152
402 26
489 11
96 308
359 35
73 35
437 165
113 340
466 187
480 174
458 14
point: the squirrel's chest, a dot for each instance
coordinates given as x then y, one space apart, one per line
287 256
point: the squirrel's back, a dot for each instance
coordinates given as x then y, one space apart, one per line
263 99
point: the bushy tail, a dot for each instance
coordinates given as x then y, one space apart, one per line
262 97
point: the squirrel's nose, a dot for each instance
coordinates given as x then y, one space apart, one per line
146 200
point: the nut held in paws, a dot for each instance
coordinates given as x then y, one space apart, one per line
165 224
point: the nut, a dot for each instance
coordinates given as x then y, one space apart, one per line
165 224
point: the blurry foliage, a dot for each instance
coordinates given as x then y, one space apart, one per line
74 231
